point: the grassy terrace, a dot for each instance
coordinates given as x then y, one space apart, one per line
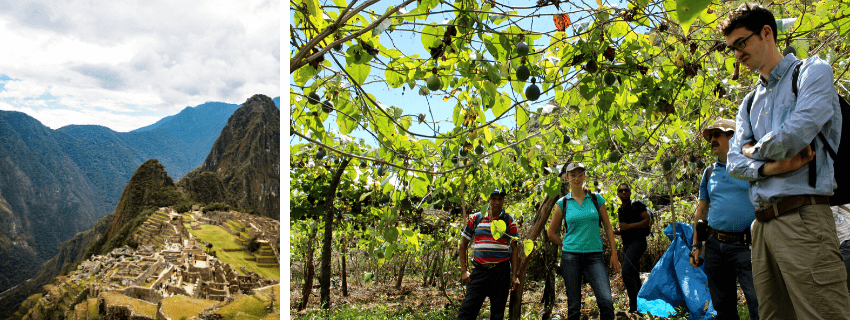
180 306
245 307
138 306
221 239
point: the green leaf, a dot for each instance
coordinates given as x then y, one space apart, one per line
553 186
521 117
390 234
419 187
367 276
302 75
688 10
430 33
347 123
527 246
497 228
359 72
363 196
618 29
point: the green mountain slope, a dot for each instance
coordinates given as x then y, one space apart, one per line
246 158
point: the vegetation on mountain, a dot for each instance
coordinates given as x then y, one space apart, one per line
246 159
149 188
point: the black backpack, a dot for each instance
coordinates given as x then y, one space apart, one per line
842 172
592 199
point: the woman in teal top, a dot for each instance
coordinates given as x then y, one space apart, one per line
582 244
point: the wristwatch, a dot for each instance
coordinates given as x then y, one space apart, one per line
696 246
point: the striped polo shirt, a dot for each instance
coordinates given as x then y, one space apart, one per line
487 250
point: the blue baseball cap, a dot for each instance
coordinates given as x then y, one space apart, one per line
499 191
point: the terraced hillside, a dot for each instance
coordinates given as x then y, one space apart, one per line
173 274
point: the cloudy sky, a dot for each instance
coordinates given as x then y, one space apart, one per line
127 64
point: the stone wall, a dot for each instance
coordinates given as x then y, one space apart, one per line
142 293
267 260
149 272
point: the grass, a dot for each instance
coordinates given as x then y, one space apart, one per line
247 305
221 239
138 306
180 306
92 305
382 313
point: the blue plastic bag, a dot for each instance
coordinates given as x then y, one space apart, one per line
674 282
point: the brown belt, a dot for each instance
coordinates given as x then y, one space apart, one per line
788 205
727 236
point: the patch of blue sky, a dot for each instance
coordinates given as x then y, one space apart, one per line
46 96
437 111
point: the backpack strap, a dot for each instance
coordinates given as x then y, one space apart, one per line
592 199
749 100
813 176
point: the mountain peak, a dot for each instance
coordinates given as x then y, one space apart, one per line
246 157
143 190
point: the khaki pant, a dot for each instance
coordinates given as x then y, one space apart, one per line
798 270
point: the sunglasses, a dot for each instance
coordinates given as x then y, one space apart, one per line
716 134
739 45
624 190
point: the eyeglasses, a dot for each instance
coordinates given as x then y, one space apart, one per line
624 190
716 134
738 45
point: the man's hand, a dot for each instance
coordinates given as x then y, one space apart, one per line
748 149
695 258
791 164
615 264
464 277
514 283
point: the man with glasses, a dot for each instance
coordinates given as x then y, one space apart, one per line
635 222
494 260
724 203
797 267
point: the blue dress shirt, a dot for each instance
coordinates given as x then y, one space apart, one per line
729 206
781 125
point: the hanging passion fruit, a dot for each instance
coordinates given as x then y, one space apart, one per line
614 157
313 98
609 78
434 82
532 92
522 48
591 66
522 73
327 106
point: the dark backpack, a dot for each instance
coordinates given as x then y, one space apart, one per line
592 199
842 172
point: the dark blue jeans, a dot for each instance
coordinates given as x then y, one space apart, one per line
592 265
494 283
725 262
632 252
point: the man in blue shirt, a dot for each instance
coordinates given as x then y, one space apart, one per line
797 268
724 203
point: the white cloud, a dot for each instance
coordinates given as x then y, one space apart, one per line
154 56
21 89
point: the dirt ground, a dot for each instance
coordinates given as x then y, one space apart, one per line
413 296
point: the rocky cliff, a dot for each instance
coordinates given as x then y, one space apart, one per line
246 158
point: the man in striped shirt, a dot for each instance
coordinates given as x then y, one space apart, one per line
494 261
